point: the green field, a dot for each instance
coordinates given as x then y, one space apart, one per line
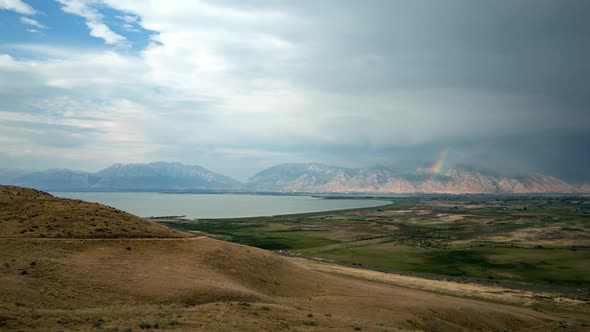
543 240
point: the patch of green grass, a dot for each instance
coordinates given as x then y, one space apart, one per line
419 242
548 266
213 227
281 240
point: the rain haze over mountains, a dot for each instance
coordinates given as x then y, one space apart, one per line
378 89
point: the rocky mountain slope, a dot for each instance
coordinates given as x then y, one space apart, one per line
314 177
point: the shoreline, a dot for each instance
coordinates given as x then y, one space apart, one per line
159 206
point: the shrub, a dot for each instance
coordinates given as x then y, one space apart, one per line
147 326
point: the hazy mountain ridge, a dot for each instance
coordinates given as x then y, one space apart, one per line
292 177
160 175
380 179
134 177
62 179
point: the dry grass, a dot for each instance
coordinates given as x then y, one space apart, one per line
198 283
557 236
75 283
29 213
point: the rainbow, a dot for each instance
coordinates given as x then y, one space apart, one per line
439 163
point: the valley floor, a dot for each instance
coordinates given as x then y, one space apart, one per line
540 243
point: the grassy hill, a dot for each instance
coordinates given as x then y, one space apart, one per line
79 278
29 213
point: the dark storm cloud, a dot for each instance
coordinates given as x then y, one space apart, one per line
536 48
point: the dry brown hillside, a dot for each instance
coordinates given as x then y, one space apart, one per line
203 284
29 213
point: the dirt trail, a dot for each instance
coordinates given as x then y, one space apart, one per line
469 290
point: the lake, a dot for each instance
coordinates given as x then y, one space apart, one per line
217 205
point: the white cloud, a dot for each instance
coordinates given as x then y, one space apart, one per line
129 22
32 22
18 6
101 30
94 20
128 18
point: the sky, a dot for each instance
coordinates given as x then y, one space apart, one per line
238 86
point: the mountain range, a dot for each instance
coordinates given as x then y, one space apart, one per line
154 176
315 177
293 177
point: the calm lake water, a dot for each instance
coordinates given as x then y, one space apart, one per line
217 206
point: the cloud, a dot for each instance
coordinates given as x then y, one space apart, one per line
129 22
18 6
32 22
239 86
94 20
129 18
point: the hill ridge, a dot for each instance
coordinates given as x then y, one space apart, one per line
30 213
